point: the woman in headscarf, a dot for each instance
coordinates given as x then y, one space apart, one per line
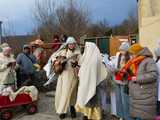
91 74
121 86
66 89
143 74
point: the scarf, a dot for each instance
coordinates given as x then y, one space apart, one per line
130 68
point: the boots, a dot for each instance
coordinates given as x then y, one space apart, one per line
73 112
85 118
62 116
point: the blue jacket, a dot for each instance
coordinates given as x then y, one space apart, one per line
26 63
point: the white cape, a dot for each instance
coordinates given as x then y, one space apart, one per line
48 67
92 72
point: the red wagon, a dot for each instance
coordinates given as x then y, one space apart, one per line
6 105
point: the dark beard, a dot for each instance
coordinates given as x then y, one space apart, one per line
72 49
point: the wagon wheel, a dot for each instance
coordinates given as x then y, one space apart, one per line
31 109
6 115
24 107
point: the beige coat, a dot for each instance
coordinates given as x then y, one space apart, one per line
7 75
67 85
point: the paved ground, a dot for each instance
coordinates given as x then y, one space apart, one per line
46 111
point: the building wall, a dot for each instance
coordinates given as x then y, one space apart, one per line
114 45
149 23
115 42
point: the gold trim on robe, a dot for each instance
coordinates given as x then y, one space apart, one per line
92 113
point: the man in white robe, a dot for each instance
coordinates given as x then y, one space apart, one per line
91 74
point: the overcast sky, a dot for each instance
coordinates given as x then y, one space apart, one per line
18 13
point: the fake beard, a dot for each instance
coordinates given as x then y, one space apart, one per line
71 49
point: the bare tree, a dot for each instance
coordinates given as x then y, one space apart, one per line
100 28
8 29
68 19
129 25
46 19
15 41
72 19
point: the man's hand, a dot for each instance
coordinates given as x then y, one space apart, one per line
56 62
134 79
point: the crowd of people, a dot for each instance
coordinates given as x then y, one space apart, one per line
135 93
84 74
134 77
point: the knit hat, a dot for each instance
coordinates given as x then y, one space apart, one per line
26 46
157 52
135 49
6 49
124 46
4 45
71 40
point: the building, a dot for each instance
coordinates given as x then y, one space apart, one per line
115 42
110 45
149 23
101 42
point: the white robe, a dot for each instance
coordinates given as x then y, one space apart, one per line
92 72
66 89
114 64
7 74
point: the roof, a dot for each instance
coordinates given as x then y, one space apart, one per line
120 37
